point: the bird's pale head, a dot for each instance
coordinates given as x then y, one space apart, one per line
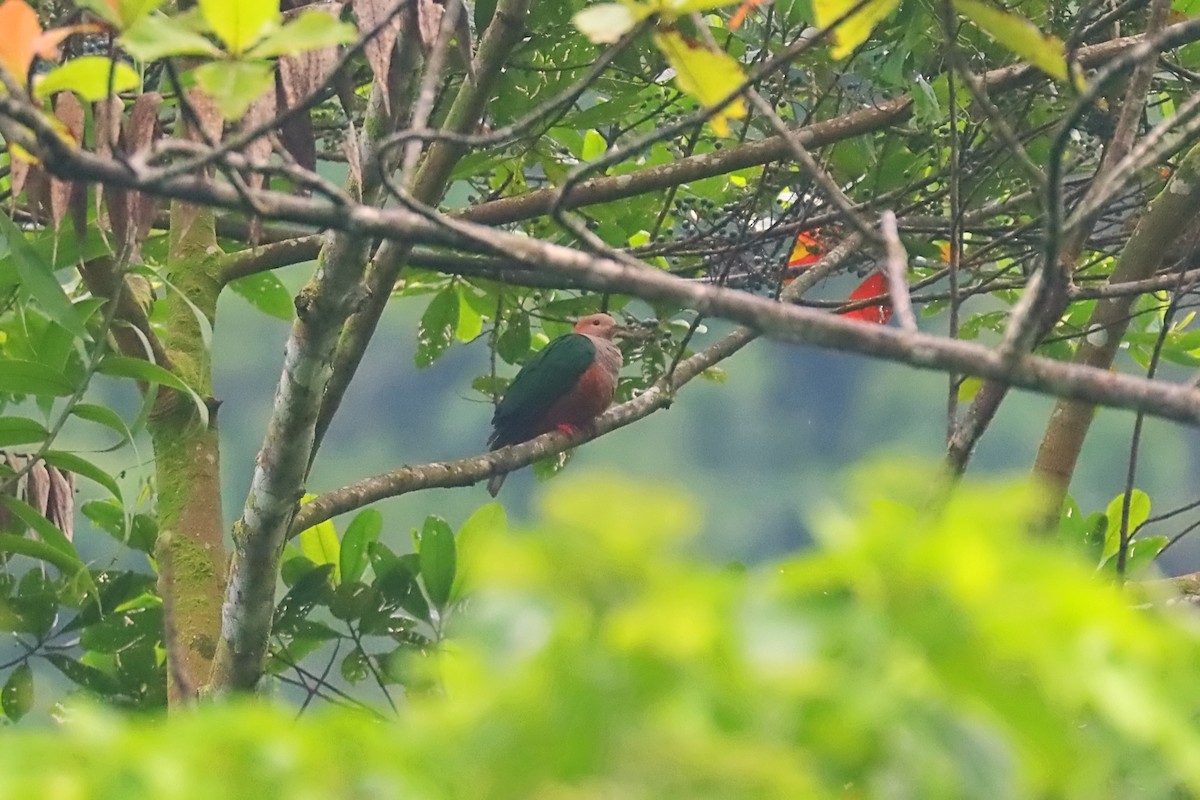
601 325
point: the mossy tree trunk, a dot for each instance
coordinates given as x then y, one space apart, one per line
191 545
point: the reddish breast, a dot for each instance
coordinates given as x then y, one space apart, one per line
592 394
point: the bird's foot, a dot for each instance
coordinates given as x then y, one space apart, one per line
588 428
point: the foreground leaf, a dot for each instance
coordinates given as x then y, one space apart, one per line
853 30
235 85
1019 35
37 278
17 695
88 77
707 75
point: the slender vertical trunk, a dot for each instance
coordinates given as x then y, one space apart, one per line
1172 213
191 544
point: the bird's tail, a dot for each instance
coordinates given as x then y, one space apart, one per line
495 482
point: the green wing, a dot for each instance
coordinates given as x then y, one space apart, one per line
548 376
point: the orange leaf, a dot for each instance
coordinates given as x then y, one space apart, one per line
740 15
23 38
944 251
19 43
48 42
808 249
876 285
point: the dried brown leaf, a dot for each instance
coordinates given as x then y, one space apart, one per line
60 506
302 75
69 111
37 487
141 132
37 190
142 129
429 22
209 115
106 120
78 206
18 171
116 203
107 116
11 461
370 14
15 463
258 151
299 78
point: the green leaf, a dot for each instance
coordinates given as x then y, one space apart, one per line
383 560
1142 553
1019 35
354 666
925 101
320 544
397 582
470 321
203 323
108 516
128 12
133 10
155 36
81 466
88 77
488 520
513 345
436 330
88 677
102 415
295 566
101 9
351 599
707 75
37 278
546 468
1139 512
48 533
437 554
143 533
606 23
235 85
854 29
67 565
267 293
125 367
362 532
307 637
594 146
17 696
21 430
312 30
310 589
240 23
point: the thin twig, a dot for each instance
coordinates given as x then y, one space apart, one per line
896 262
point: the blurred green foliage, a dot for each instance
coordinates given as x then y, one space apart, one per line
927 648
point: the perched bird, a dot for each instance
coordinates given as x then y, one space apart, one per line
564 387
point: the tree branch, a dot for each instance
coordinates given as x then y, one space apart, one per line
1168 216
468 471
757 153
465 113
